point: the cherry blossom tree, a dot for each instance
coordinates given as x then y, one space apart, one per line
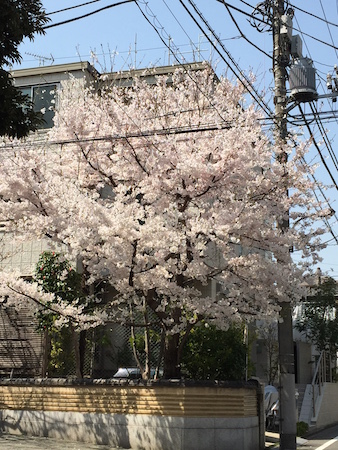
171 194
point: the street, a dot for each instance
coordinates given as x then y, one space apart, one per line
325 439
321 440
13 442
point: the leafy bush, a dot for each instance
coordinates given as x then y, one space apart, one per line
212 354
302 428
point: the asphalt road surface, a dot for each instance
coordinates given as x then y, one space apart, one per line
12 442
325 439
322 440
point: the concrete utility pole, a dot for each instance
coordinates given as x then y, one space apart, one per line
282 31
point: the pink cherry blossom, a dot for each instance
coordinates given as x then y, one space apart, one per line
173 195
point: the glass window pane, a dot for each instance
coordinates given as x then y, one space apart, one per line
27 91
44 101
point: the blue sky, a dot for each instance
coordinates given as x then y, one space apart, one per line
125 36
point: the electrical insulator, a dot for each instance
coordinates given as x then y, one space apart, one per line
335 84
329 81
335 89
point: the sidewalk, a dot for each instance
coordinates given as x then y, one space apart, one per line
13 442
272 440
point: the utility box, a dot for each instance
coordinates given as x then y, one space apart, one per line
296 46
302 80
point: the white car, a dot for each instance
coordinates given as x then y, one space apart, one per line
132 373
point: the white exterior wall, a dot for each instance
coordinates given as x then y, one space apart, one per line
327 410
15 254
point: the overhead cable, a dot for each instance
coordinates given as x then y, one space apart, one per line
242 34
317 117
73 7
321 4
318 149
159 34
326 201
237 71
313 15
87 15
139 134
244 12
324 136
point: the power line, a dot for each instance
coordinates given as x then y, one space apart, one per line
293 7
324 136
179 23
318 121
150 49
139 134
317 148
326 201
244 12
320 126
313 15
240 74
73 7
242 34
222 1
327 24
316 39
87 15
295 29
164 42
310 117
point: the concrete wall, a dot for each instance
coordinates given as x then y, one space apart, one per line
149 416
305 363
130 431
327 408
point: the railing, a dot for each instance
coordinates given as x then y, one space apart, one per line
319 378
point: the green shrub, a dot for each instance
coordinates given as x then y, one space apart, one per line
213 354
302 428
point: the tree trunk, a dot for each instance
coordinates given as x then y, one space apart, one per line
76 347
45 354
171 363
82 350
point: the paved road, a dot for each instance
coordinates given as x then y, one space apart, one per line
11 442
326 439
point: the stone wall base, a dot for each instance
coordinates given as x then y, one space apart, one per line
132 431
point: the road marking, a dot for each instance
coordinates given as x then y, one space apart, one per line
327 444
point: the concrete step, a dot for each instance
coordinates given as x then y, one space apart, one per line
272 440
301 391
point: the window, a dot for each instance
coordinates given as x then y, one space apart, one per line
43 98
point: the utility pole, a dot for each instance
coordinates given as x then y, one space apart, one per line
282 31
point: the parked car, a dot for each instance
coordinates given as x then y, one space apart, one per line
271 400
132 373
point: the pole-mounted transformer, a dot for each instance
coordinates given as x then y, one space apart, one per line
302 80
